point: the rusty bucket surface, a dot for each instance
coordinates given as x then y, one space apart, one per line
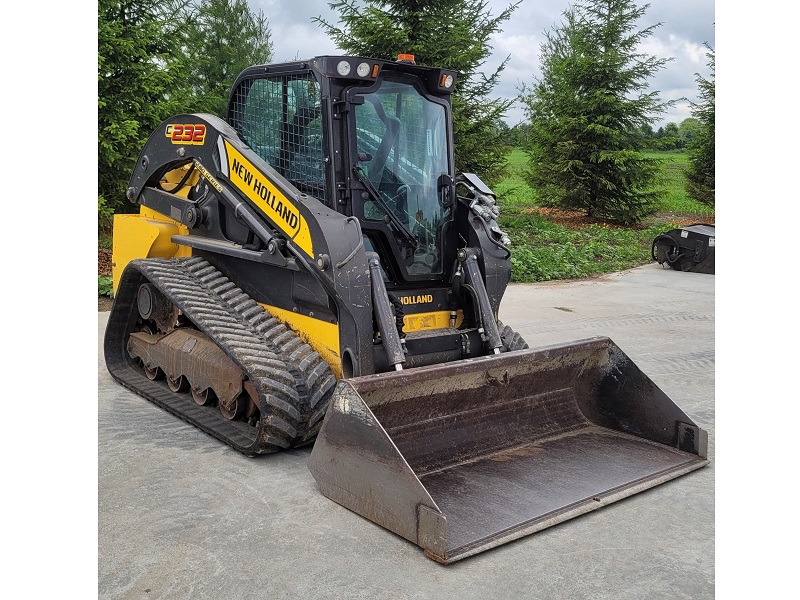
461 457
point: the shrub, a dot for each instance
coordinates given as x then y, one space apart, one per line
104 286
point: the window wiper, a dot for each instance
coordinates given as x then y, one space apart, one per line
373 193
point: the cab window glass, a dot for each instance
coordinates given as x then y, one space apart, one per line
281 121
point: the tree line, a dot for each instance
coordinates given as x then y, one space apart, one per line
670 136
589 115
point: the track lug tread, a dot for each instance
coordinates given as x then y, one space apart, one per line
197 288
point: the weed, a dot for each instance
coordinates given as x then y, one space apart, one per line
104 286
544 251
105 238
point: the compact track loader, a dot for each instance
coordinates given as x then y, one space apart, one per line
312 268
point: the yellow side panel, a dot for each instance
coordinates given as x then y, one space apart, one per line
324 337
146 235
321 336
430 320
245 176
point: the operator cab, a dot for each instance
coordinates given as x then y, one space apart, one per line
371 139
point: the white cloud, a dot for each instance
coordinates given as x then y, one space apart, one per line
686 25
524 48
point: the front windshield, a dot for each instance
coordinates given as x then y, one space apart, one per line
402 151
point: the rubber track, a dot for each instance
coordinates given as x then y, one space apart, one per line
511 339
313 378
224 313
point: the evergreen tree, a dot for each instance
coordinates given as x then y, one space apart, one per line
224 37
588 109
453 34
701 171
159 58
138 43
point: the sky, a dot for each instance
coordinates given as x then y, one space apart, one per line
686 26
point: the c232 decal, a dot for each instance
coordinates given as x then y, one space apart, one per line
186 134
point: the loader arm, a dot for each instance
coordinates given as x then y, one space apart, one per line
240 210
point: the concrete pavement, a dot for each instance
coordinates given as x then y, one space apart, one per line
181 515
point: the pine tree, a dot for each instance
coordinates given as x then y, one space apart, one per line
224 37
137 47
452 34
158 58
587 112
700 174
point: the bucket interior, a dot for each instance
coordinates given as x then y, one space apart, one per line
511 450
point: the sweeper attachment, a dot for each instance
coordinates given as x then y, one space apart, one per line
689 248
312 267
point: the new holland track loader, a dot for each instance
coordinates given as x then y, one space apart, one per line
312 269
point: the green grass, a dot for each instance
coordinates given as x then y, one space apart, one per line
673 181
513 194
544 251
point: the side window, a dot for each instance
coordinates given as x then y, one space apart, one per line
257 113
281 121
302 157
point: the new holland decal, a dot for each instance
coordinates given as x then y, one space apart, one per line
185 134
421 299
279 209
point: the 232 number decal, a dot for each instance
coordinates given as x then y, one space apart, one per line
186 134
